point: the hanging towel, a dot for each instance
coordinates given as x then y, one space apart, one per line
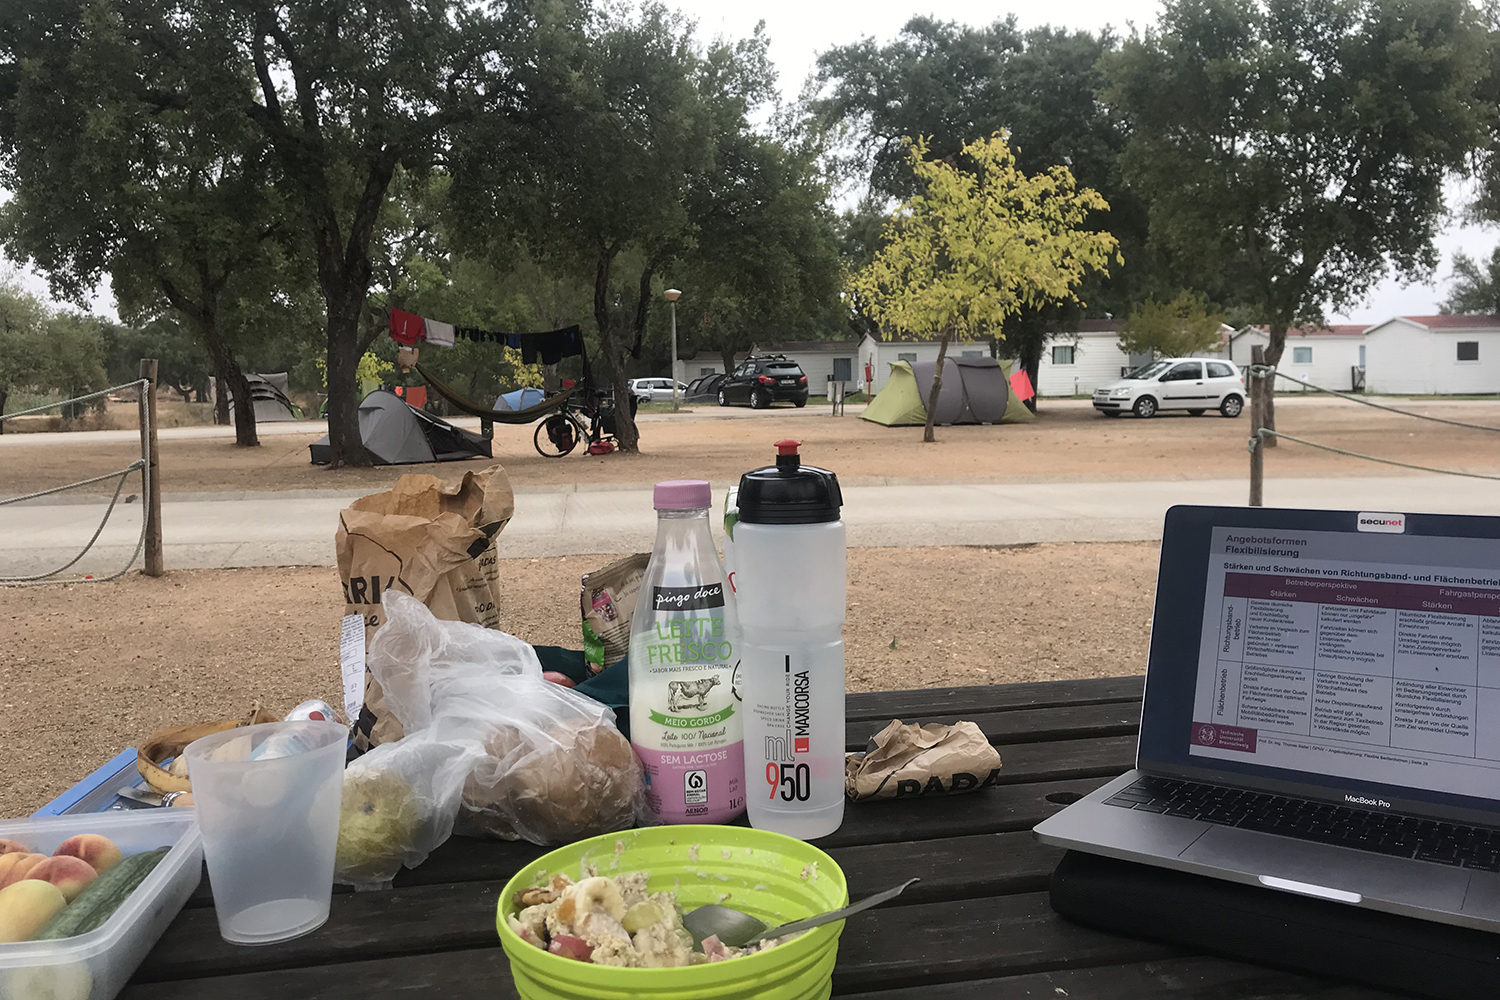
406 328
439 334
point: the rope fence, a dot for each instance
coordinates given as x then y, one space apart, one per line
1261 374
151 513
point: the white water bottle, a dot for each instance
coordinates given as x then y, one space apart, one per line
789 582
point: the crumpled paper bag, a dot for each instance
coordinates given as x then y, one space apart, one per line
433 541
909 760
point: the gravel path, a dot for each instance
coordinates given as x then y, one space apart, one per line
94 668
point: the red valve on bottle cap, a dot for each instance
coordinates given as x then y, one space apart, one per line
787 447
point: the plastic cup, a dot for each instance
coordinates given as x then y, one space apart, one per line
268 806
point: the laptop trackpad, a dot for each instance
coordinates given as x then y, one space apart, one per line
1372 875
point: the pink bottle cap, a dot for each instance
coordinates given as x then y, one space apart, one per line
683 494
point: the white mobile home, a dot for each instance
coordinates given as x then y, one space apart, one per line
1076 363
821 361
1329 356
876 356
1434 354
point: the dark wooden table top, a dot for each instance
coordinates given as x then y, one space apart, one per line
978 925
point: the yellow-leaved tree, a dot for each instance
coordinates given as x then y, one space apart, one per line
979 241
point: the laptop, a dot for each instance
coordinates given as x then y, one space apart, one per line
1322 712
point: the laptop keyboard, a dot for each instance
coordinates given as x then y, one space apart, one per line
1362 829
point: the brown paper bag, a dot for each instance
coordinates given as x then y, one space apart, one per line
607 602
436 543
909 760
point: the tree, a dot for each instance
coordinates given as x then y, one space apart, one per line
1175 329
113 173
21 319
765 259
973 247
1474 287
1297 150
954 83
626 132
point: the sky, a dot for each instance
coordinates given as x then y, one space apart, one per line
800 29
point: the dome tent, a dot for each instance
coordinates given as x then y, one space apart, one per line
395 433
975 391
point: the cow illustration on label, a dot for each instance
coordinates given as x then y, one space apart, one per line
685 695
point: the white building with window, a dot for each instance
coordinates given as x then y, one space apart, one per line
1078 362
1433 354
1330 356
878 355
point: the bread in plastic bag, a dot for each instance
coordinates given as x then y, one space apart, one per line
400 801
554 767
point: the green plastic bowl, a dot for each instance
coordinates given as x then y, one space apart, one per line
761 872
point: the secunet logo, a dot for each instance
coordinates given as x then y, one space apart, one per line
1394 524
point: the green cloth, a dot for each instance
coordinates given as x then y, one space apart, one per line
1016 411
899 404
611 686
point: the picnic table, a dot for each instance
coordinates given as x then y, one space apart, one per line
978 925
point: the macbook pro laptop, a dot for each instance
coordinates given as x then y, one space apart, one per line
1322 712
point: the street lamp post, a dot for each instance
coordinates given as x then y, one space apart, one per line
673 295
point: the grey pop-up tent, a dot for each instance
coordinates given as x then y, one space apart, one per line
268 394
395 433
975 391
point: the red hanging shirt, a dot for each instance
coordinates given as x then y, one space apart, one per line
407 328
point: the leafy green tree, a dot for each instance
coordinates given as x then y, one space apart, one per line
1175 329
70 356
1296 151
341 95
1474 287
955 83
974 246
112 174
21 320
605 186
182 364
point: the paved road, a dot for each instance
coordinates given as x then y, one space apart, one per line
270 529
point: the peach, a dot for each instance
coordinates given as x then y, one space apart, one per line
26 907
13 847
70 875
15 867
100 852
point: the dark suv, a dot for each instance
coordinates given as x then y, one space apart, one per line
761 381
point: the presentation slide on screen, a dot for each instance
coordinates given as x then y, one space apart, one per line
1316 657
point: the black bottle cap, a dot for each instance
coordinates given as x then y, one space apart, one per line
789 492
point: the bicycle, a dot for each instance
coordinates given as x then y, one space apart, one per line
588 415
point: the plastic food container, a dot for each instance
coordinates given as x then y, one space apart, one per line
96 965
765 874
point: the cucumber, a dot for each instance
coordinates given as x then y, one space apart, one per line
103 897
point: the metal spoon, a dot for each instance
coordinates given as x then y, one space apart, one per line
738 929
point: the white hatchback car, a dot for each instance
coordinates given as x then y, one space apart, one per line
656 390
1192 384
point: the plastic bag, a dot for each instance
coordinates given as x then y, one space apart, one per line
554 768
400 801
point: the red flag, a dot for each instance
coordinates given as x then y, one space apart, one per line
1021 385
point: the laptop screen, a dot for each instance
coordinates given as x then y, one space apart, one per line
1358 653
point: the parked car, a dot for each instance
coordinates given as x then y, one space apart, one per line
762 381
1192 384
655 390
704 387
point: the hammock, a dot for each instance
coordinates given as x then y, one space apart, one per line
525 416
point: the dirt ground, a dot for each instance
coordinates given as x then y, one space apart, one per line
1068 442
93 669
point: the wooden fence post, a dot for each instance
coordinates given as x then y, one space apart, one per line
152 499
1257 421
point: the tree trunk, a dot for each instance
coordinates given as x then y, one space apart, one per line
726 354
1274 350
1031 364
230 375
343 389
221 399
937 387
627 438
4 394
